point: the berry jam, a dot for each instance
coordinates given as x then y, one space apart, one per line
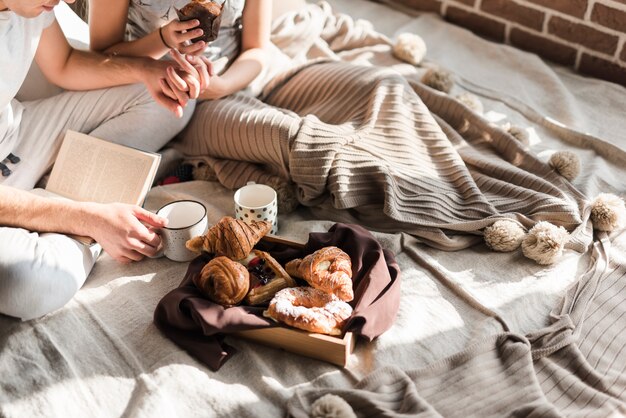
260 275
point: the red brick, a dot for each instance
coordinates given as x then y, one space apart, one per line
609 17
514 12
554 51
476 23
604 69
425 5
571 7
468 2
583 35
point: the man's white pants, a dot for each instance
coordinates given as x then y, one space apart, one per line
40 273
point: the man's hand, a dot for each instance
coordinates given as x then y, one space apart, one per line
124 231
153 74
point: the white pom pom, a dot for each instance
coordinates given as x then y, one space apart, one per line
471 101
438 79
517 132
544 242
331 406
608 212
504 235
409 47
566 163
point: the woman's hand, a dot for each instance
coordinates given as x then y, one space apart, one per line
217 89
189 78
176 34
212 86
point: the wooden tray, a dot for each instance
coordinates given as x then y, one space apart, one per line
332 349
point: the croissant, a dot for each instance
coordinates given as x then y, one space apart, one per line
328 269
224 281
230 237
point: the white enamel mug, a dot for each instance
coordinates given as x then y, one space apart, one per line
257 202
186 219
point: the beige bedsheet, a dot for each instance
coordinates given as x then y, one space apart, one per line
102 356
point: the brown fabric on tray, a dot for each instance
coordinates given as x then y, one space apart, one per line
197 325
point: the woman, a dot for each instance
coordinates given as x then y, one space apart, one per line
365 143
151 28
238 56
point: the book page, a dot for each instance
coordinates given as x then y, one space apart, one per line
91 169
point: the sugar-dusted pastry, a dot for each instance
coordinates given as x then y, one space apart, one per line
328 269
230 237
309 309
208 13
224 281
267 277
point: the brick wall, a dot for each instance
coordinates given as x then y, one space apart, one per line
588 35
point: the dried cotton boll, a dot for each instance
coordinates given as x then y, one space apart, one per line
544 242
566 163
504 235
438 79
409 47
608 212
331 406
471 101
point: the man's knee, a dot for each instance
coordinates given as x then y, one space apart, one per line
158 124
39 273
30 290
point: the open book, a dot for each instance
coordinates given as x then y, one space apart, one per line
94 170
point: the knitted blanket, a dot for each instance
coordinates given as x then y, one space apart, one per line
574 367
101 355
365 143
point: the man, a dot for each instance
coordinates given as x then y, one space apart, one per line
41 271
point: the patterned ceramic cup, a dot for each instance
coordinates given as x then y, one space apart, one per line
257 202
186 219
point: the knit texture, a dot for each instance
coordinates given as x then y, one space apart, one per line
399 154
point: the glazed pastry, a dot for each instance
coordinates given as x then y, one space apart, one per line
267 277
328 269
230 237
209 13
309 309
224 281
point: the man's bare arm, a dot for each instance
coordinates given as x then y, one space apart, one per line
72 69
124 231
19 208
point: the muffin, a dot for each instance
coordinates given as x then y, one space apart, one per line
209 13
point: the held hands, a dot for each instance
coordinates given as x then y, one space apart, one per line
211 85
192 77
176 34
173 86
124 231
187 81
